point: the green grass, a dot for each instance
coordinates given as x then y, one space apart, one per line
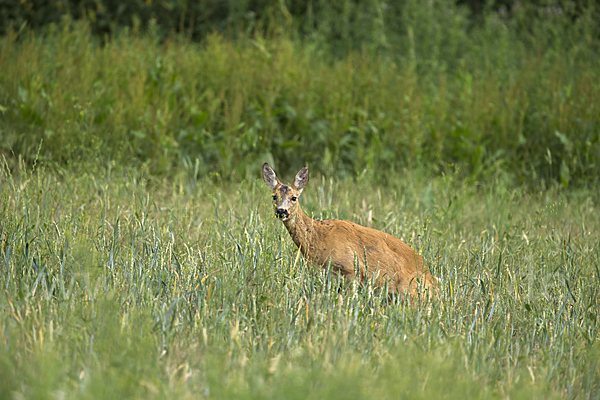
119 284
139 255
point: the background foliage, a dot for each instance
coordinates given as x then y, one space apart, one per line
370 86
348 23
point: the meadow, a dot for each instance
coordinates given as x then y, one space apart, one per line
139 253
120 285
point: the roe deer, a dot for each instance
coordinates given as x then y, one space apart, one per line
341 243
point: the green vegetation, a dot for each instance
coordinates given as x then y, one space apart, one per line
139 256
427 91
116 286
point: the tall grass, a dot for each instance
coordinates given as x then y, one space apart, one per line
138 253
118 286
497 97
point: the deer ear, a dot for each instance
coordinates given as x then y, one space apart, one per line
269 176
301 179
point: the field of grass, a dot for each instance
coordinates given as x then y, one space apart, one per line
139 254
120 284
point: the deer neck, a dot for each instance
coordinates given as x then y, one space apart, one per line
300 228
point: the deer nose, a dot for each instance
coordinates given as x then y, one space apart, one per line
281 213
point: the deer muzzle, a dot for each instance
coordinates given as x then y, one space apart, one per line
281 213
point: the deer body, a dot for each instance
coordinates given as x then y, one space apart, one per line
344 244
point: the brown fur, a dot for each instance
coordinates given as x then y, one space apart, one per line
342 243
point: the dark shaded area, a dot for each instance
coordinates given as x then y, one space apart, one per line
348 21
572 8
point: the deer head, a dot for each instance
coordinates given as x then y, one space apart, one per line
285 197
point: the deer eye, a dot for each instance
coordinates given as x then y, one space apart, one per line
275 197
294 198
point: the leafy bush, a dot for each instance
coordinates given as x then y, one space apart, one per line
427 90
